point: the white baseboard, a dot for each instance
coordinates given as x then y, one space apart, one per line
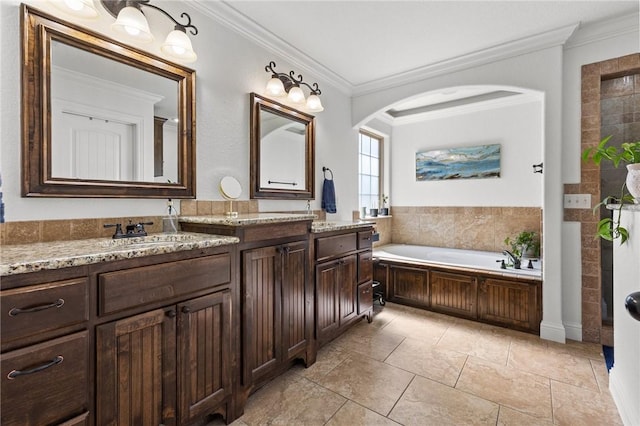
625 408
552 331
573 331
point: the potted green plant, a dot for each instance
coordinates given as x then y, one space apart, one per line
525 244
628 152
384 211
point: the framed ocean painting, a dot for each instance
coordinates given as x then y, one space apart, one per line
474 162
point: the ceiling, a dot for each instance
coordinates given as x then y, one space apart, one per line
361 45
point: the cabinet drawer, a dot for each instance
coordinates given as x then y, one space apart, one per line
49 383
365 266
41 308
365 297
335 246
365 239
138 286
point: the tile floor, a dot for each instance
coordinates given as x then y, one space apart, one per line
413 367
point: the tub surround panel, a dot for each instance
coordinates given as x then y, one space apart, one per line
476 228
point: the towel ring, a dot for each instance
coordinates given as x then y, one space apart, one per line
325 170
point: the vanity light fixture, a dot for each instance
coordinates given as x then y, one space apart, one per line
131 22
287 86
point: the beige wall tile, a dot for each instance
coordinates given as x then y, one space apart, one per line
56 230
23 232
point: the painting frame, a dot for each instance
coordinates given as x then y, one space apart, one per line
466 162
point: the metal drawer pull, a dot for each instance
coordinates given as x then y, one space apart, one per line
15 311
15 373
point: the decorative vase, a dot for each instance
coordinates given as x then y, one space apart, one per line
384 211
373 212
633 181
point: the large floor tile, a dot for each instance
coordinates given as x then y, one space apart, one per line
368 382
477 340
291 399
328 358
426 402
429 329
601 373
369 341
510 417
522 391
561 366
424 359
352 414
576 406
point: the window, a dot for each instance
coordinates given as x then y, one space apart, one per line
370 170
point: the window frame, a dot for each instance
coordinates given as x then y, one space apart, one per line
380 139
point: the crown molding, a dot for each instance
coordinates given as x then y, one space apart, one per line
510 49
226 15
569 36
603 30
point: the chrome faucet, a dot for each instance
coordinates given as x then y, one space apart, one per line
512 258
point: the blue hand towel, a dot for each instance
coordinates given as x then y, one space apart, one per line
329 196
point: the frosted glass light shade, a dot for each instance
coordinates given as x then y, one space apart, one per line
275 88
296 95
314 104
178 46
79 8
132 23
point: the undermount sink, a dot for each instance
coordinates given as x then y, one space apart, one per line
149 240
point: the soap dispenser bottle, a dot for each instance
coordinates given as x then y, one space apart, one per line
170 222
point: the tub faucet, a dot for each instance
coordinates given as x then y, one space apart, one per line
512 258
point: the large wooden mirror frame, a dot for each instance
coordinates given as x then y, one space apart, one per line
283 144
39 32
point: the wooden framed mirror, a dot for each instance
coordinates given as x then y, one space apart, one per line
282 151
100 118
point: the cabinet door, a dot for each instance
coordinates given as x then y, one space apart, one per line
454 294
135 370
204 354
347 284
327 314
510 303
262 313
294 298
409 285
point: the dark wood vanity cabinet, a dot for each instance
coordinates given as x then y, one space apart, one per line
275 306
151 340
276 294
176 359
172 363
343 278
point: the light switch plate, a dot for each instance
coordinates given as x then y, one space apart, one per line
577 201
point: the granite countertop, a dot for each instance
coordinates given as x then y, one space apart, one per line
247 219
23 258
325 226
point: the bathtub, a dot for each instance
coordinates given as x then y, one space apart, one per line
458 259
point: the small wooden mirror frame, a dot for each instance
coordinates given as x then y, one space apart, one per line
259 103
38 31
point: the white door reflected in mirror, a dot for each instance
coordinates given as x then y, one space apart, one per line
230 189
